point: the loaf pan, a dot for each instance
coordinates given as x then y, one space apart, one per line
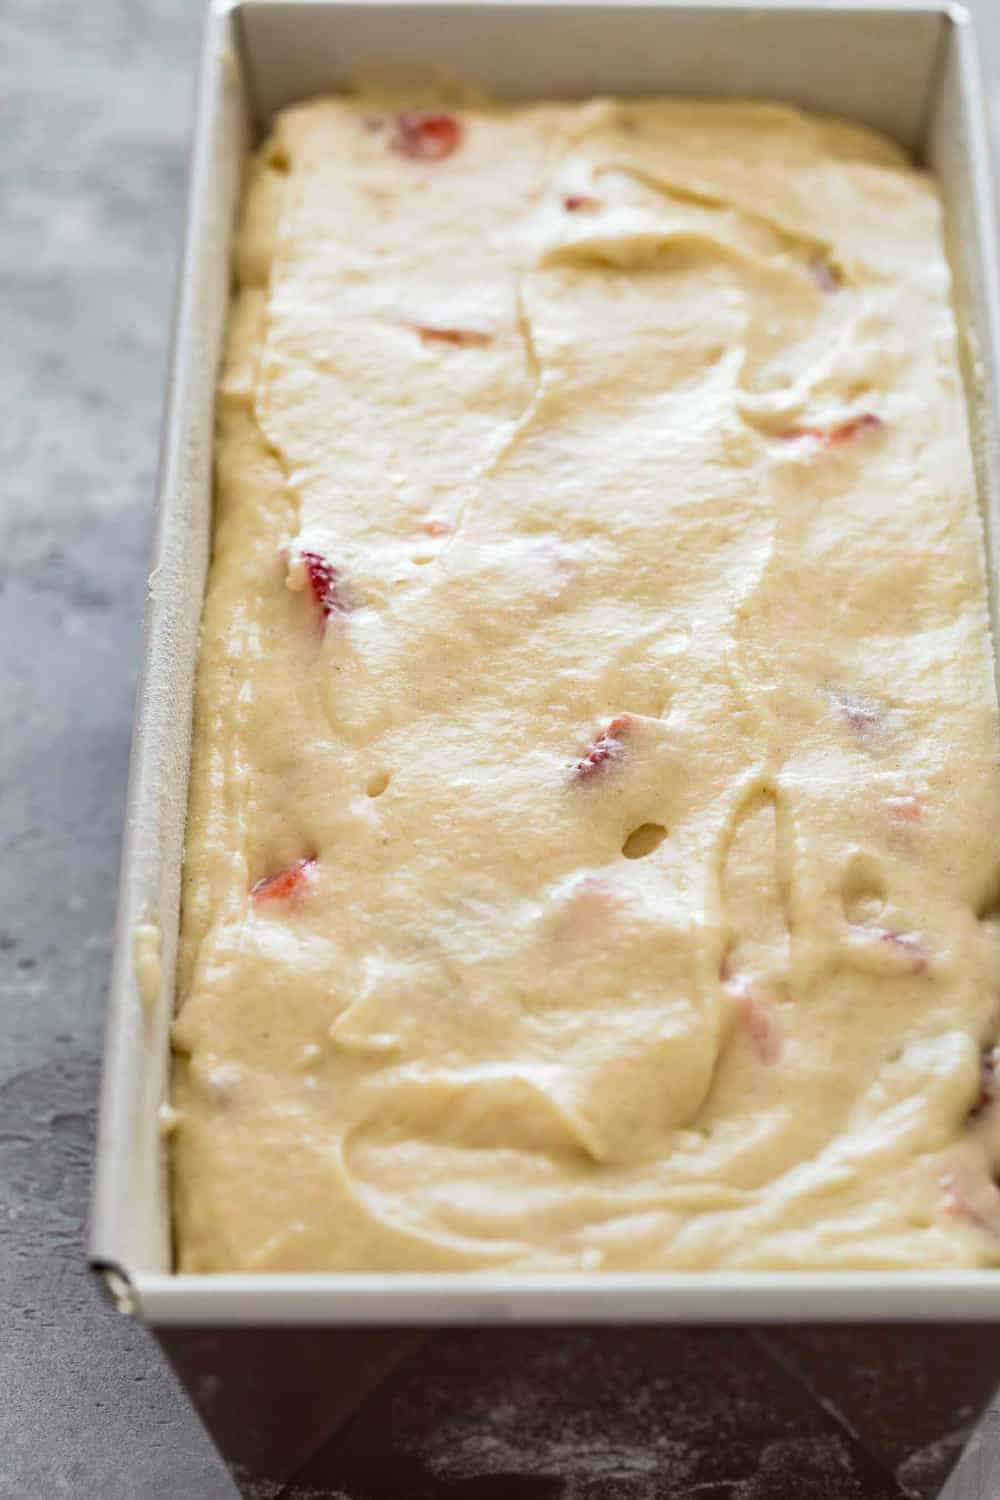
910 70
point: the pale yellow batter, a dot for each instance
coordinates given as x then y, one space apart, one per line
595 809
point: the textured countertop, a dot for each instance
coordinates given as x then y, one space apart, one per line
96 105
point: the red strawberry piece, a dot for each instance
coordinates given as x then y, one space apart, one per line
462 338
987 1082
325 583
581 203
605 748
841 432
426 135
904 809
284 885
759 1025
845 431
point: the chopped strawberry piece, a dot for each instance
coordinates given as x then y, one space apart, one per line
759 1025
987 1083
284 885
462 338
606 747
433 526
841 432
904 809
324 581
581 203
425 135
845 431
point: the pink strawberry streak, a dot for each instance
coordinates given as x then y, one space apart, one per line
325 584
590 904
904 809
759 1025
755 1017
576 203
906 944
958 1193
284 885
841 432
987 1083
910 944
425 135
592 884
605 748
461 338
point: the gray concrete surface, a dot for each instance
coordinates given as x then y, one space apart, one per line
96 103
95 100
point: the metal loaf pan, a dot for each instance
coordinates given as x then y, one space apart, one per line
910 69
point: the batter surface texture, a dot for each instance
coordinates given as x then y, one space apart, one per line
593 826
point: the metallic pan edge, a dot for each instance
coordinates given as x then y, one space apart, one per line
929 86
